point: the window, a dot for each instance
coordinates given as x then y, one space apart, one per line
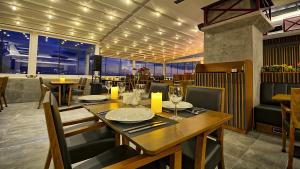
14 48
139 64
126 67
169 70
174 69
158 69
189 67
112 67
151 67
57 56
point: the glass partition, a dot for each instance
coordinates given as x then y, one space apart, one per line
14 49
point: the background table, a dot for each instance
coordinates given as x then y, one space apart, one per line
62 90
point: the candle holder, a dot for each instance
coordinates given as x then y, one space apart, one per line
156 102
114 93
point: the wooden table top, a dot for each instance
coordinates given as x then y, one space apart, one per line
161 139
282 97
57 82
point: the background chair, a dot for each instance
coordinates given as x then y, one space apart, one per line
1 84
62 156
160 87
3 88
212 99
77 91
294 124
80 142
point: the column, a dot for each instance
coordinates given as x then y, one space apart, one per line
97 49
164 68
87 64
32 56
133 67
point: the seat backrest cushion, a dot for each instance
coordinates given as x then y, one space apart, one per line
60 132
266 93
160 87
208 98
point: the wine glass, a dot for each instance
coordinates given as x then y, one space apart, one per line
122 87
108 85
175 95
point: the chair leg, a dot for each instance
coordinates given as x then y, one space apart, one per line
4 100
220 139
48 160
1 102
40 101
70 96
283 139
291 147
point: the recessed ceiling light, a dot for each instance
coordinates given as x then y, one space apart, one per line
85 9
160 32
126 35
134 45
18 23
158 14
111 17
116 41
50 16
125 49
176 37
13 8
47 28
117 53
100 29
92 37
128 2
72 33
139 26
107 47
140 51
179 23
77 23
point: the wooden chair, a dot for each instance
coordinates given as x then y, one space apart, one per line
122 157
294 123
76 91
3 88
1 84
212 99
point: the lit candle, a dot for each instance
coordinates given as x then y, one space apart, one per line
156 102
114 92
62 79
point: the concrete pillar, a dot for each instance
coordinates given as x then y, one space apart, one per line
32 56
133 67
238 39
97 49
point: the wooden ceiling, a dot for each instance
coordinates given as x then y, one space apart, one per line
152 30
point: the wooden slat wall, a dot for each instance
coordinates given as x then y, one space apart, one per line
284 50
280 77
234 84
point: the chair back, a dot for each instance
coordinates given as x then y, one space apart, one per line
83 83
295 107
60 154
41 83
160 87
80 81
5 80
206 97
1 83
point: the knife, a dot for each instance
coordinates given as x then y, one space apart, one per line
143 125
147 127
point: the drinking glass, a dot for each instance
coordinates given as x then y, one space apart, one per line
108 85
175 95
122 87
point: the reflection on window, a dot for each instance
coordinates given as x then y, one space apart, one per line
180 68
57 56
139 64
126 67
14 47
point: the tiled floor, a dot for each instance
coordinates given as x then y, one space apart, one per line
24 142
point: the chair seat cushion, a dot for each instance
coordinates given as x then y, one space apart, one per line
89 144
268 114
213 154
109 157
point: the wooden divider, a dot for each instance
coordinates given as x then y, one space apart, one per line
280 77
284 50
238 89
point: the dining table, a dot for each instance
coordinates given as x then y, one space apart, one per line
166 140
62 89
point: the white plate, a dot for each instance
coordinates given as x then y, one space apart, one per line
130 115
180 105
92 98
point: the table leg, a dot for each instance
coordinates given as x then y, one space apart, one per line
59 95
175 160
200 151
291 146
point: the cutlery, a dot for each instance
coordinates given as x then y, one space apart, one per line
143 125
147 127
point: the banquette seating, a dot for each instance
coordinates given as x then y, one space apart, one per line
267 115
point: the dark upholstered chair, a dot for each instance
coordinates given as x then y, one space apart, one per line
2 91
160 87
78 143
208 98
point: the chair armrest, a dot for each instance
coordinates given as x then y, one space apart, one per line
81 120
70 108
84 129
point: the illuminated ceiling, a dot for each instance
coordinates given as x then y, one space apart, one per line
152 30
